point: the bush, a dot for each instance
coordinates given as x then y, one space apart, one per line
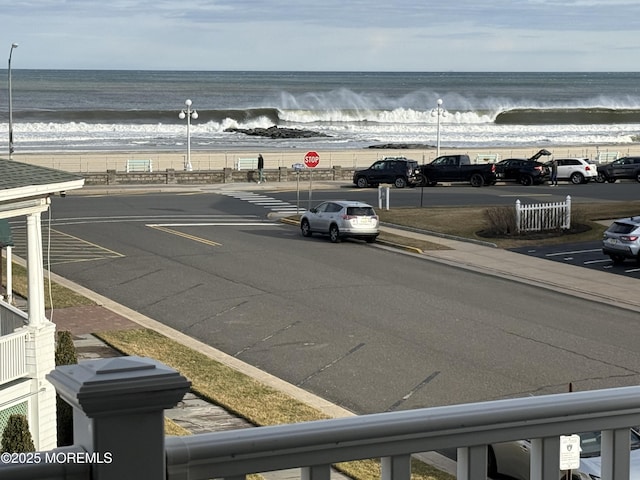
65 349
16 437
65 355
501 220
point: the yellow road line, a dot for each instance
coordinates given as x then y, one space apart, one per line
186 235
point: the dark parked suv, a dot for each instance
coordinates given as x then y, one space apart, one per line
625 167
399 171
521 170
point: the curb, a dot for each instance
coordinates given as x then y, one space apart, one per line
379 241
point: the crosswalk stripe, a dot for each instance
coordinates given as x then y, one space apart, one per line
265 201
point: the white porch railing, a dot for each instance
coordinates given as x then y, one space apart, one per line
11 318
13 356
13 338
106 395
539 217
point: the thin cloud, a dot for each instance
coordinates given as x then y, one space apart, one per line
328 35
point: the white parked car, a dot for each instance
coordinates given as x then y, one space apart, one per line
340 219
513 458
575 170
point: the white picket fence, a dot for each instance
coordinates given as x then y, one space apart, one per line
539 217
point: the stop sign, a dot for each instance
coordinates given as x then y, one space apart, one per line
311 159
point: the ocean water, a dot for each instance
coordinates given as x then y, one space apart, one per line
138 110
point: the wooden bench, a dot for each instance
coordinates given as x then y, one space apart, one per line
139 166
487 157
606 157
247 164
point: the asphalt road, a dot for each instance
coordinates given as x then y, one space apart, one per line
366 327
455 195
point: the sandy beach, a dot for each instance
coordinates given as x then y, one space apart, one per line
79 162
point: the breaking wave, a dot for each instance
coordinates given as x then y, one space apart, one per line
568 116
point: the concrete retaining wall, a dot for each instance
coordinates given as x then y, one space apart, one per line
206 177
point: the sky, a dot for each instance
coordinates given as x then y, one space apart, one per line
323 35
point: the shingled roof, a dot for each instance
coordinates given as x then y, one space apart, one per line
21 180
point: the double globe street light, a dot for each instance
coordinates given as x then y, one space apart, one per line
189 114
13 45
439 111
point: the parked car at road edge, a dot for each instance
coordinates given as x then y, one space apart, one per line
399 171
622 240
622 168
526 171
456 168
575 170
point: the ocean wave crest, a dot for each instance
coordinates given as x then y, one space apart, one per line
568 116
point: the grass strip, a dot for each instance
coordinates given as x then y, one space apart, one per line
467 221
239 393
61 297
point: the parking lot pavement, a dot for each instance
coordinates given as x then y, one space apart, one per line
586 254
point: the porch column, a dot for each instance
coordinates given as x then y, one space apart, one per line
41 343
35 270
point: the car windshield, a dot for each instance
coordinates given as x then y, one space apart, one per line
360 211
590 443
621 227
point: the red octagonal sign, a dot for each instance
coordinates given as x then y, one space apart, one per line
311 159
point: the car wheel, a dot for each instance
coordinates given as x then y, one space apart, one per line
576 178
617 259
600 178
425 182
611 180
334 233
477 180
429 183
400 182
638 176
370 239
526 180
305 228
361 182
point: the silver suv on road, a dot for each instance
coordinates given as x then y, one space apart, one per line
340 219
622 240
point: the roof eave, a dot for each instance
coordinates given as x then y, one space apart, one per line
30 191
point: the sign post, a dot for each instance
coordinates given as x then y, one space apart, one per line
297 167
311 160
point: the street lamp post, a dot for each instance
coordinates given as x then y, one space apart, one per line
13 45
189 114
439 112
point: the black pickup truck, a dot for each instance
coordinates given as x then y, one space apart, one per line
456 168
